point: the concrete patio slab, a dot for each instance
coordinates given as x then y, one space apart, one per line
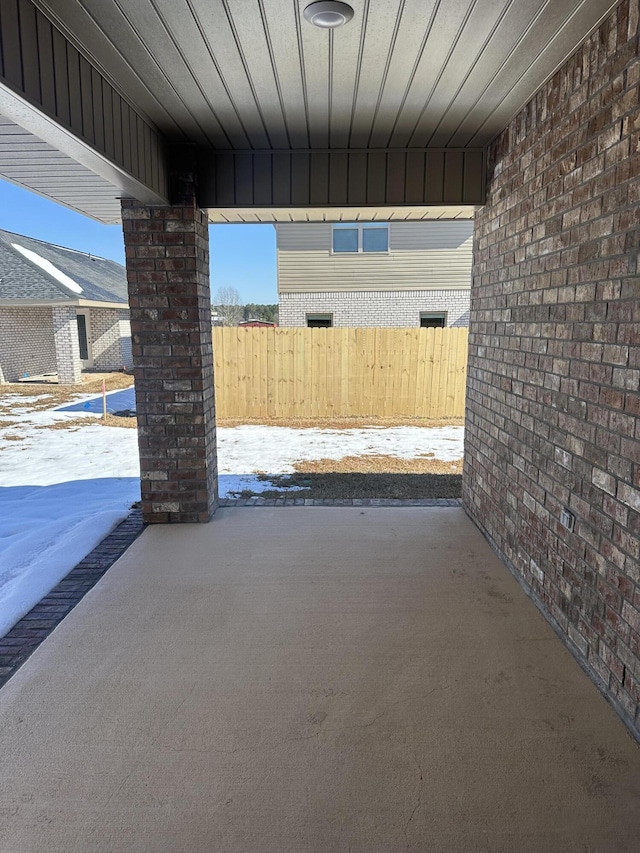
311 679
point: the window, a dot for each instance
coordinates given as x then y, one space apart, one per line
319 321
345 239
431 320
82 337
361 237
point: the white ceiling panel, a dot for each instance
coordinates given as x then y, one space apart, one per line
35 165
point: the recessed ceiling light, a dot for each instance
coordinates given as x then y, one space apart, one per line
328 14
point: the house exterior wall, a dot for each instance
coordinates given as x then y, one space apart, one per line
375 308
422 255
65 330
27 344
553 403
111 349
125 338
427 268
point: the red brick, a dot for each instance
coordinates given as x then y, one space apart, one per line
168 273
553 387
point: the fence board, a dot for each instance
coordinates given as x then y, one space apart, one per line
364 372
430 385
440 380
420 368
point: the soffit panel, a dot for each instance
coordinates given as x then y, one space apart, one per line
35 165
231 74
339 214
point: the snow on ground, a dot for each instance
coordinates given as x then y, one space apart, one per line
46 530
245 450
61 493
63 490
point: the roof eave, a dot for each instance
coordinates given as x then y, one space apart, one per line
56 303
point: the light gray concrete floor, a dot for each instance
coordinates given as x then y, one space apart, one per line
312 679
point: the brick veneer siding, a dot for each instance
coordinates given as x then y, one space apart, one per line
374 308
106 344
65 331
167 257
554 367
26 342
125 338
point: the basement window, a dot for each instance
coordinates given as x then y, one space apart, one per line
319 321
433 320
354 237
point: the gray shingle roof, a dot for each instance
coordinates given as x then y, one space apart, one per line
21 278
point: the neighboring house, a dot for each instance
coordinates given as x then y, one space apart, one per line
61 311
258 324
375 274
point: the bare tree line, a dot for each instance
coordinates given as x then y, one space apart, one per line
230 310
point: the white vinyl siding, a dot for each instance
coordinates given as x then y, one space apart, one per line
422 255
304 237
448 235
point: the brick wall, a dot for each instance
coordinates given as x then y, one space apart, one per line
125 338
167 251
106 345
553 417
26 342
375 308
65 332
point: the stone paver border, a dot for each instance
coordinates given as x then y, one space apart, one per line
27 634
377 502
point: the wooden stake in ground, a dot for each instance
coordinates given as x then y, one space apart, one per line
104 399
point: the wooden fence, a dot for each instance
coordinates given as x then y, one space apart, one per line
325 373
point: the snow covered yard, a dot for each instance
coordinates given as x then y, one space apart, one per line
64 486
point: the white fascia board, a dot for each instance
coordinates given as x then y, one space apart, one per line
58 303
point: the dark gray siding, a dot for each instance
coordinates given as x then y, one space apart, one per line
42 66
355 178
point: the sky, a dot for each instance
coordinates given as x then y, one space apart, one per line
242 256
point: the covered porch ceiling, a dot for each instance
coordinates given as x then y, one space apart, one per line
338 214
393 110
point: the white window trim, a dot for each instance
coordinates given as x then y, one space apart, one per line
87 363
360 226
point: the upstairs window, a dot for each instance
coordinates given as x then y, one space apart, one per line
356 237
345 239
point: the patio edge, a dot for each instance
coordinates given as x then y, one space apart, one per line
596 680
368 502
17 646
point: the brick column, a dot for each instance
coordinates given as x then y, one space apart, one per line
167 250
65 333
